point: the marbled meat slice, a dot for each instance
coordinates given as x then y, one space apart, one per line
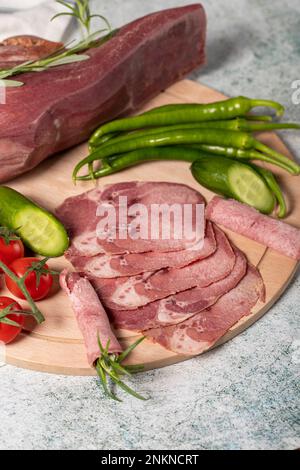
179 307
131 264
203 330
79 215
136 291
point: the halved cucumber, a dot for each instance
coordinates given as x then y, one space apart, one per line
248 187
40 231
234 179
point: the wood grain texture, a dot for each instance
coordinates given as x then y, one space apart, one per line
56 346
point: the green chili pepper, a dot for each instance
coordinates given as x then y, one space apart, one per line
187 107
227 109
235 180
105 138
275 188
217 137
241 154
116 163
238 124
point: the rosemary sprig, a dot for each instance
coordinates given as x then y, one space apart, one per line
109 366
36 313
80 10
60 57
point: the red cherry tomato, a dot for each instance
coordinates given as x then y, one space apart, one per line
37 292
10 251
7 332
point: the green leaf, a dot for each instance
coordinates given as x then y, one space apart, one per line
10 83
129 390
61 14
8 321
70 60
66 4
130 349
108 365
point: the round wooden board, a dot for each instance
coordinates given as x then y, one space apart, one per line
56 346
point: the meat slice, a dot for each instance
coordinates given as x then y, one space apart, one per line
179 307
79 215
59 108
247 221
91 316
136 291
202 331
19 49
111 266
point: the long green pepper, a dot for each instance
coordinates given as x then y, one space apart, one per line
218 137
227 109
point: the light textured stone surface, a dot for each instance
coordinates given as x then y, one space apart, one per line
243 395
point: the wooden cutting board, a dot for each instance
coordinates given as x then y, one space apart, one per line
56 346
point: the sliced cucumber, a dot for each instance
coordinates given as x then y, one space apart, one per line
40 231
234 179
248 187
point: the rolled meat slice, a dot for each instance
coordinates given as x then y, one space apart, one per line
179 307
203 330
90 314
263 229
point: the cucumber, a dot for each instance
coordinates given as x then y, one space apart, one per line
236 180
39 229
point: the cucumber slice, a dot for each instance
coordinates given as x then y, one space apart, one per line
40 231
247 186
233 179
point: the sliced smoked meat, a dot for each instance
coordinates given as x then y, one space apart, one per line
59 108
90 314
79 215
136 291
19 49
247 221
203 330
179 307
131 264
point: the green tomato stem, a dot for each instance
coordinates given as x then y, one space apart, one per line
20 282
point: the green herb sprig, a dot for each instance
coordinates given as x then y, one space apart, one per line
80 10
108 366
62 56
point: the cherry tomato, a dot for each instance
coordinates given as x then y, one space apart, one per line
10 251
37 292
7 332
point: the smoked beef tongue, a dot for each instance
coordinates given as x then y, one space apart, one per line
247 221
202 331
91 316
59 108
19 49
111 266
136 291
179 307
78 214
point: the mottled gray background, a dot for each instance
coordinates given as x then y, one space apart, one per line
243 395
